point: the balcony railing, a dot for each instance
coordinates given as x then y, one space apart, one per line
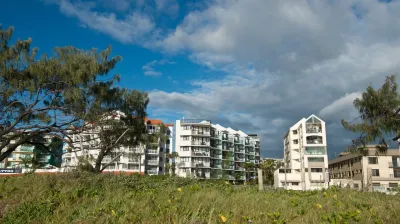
152 151
316 141
152 172
394 165
200 143
239 151
202 164
228 167
216 166
195 121
152 162
239 159
195 132
257 145
201 154
240 168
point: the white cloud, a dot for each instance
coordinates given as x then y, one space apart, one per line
133 28
341 107
149 69
277 61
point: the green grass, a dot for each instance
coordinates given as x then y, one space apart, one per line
88 198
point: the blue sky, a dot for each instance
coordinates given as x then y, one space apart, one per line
255 65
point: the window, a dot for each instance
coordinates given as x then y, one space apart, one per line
315 159
376 184
161 149
355 185
373 160
168 141
185 127
185 159
296 142
316 170
185 138
160 168
185 148
295 184
395 185
294 132
375 172
315 150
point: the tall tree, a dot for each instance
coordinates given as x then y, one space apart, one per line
268 167
63 94
379 116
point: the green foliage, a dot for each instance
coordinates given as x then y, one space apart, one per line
64 93
99 198
379 113
268 167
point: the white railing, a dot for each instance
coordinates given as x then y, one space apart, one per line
152 172
200 143
152 162
200 154
152 151
240 159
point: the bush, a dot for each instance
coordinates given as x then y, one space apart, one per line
101 198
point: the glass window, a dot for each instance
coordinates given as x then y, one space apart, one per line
372 160
315 150
315 159
316 170
375 172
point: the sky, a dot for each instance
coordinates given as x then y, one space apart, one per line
255 65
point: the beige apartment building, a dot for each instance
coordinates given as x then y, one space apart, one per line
370 171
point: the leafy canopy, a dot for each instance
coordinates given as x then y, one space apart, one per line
379 114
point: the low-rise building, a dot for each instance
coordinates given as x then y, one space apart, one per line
370 170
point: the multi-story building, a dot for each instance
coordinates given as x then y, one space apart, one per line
25 155
370 170
305 156
212 151
143 158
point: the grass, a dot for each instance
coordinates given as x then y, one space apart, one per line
88 198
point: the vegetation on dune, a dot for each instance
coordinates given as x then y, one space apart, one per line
100 198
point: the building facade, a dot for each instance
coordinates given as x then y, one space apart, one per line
369 171
305 157
143 158
24 156
211 151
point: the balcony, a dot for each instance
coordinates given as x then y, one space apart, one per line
239 151
152 162
195 121
314 140
240 168
152 151
200 143
394 165
228 167
152 172
216 166
195 132
257 145
239 159
200 164
201 154
229 177
313 128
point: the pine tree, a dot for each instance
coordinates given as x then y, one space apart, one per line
379 116
63 94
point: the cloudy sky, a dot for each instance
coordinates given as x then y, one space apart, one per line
254 65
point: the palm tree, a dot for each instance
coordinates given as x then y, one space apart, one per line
172 166
268 167
248 167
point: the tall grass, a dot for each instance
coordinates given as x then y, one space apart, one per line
88 198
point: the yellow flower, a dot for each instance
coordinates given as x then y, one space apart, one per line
113 213
358 211
169 200
179 189
226 182
223 218
318 205
335 196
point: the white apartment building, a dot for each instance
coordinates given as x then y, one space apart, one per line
369 171
305 157
211 151
145 159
